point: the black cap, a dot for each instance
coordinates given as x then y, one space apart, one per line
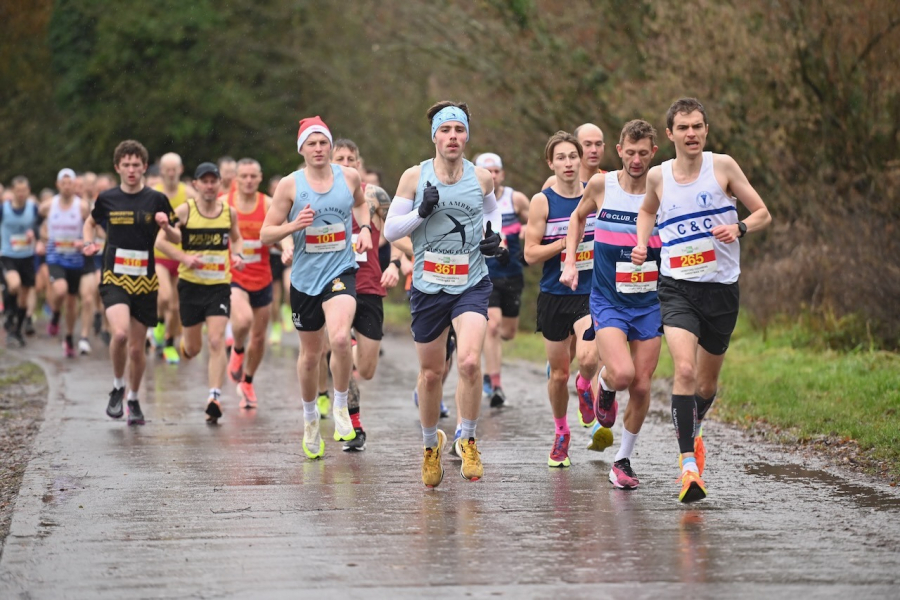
205 168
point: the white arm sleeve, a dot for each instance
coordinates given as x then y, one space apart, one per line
492 213
401 219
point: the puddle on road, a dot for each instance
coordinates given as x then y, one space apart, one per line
864 497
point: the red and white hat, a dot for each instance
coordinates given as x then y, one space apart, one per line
310 126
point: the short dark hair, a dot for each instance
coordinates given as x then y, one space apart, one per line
439 106
348 144
558 138
19 179
250 161
684 106
130 148
637 130
224 159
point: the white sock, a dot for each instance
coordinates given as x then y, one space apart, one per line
215 393
132 395
340 399
118 382
603 383
627 447
310 411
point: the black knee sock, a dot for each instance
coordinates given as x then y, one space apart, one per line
20 319
684 416
248 378
55 318
237 350
703 405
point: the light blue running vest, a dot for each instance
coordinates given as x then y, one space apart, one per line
454 229
313 272
14 227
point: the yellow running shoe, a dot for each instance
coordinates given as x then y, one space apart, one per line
159 335
692 487
313 444
432 470
471 467
170 353
287 321
323 403
275 335
601 438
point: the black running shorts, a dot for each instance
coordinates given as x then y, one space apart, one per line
708 310
369 319
306 310
23 266
557 315
197 302
141 306
507 295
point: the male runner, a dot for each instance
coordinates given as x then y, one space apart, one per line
65 215
506 276
133 216
444 203
319 200
251 288
563 314
168 320
592 143
210 245
228 171
19 233
694 195
624 305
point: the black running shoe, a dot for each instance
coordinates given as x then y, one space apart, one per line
104 335
135 416
357 444
498 398
14 339
114 408
10 323
29 326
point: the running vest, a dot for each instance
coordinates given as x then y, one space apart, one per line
257 272
64 228
510 233
687 214
177 200
323 250
207 238
447 256
560 209
14 228
368 278
615 234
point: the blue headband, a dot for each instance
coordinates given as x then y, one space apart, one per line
450 113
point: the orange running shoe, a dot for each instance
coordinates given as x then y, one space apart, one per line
248 394
692 487
700 451
236 367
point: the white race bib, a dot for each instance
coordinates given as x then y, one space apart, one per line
20 243
360 257
634 279
252 251
694 259
446 269
213 266
131 262
65 245
584 257
326 238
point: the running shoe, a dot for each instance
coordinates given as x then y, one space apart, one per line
159 335
453 449
275 335
213 410
605 408
84 346
692 487
135 416
486 385
601 438
445 412
29 326
357 444
68 349
432 470
700 451
247 394
471 467
236 367
9 324
114 407
559 455
313 444
287 320
622 476
585 401
170 353
323 403
52 329
343 426
14 339
498 397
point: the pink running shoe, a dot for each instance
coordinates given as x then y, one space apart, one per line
236 366
621 476
605 407
585 401
248 394
559 455
68 349
52 330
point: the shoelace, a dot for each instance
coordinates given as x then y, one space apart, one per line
606 399
561 444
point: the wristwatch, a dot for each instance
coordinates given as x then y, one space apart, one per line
369 227
742 229
396 263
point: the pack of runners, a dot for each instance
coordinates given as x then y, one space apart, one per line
626 256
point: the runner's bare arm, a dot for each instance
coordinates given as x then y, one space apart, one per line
739 186
402 220
168 248
87 234
551 181
647 215
236 241
360 210
275 226
534 233
404 245
379 203
590 200
520 205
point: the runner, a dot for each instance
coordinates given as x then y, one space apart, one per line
563 314
318 201
168 321
624 305
251 288
208 227
228 171
65 216
506 276
695 196
134 216
104 182
444 203
19 235
592 143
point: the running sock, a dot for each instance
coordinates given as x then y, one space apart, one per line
132 395
325 393
354 418
118 382
55 318
248 378
602 382
170 341
340 399
486 379
684 416
20 319
429 436
562 425
215 393
70 341
468 428
689 464
495 380
160 320
627 447
703 405
310 412
237 350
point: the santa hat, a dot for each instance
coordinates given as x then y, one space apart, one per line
310 126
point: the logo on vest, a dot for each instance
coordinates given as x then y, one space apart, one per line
449 228
704 199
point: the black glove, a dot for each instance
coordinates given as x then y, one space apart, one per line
430 199
503 256
491 242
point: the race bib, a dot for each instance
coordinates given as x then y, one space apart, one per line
131 262
213 266
634 279
446 269
693 259
326 238
20 243
584 257
65 245
252 251
360 257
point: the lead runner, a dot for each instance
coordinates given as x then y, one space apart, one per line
443 203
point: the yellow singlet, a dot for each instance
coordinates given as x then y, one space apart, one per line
208 239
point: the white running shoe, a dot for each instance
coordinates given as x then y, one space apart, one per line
343 426
313 444
84 346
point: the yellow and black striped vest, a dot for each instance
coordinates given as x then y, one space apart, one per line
207 238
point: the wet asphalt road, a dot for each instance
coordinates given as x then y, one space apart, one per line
177 508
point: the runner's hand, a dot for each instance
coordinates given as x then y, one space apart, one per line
304 218
237 262
502 256
287 257
79 245
726 233
363 241
491 242
569 277
390 277
161 219
89 249
430 199
638 255
192 261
